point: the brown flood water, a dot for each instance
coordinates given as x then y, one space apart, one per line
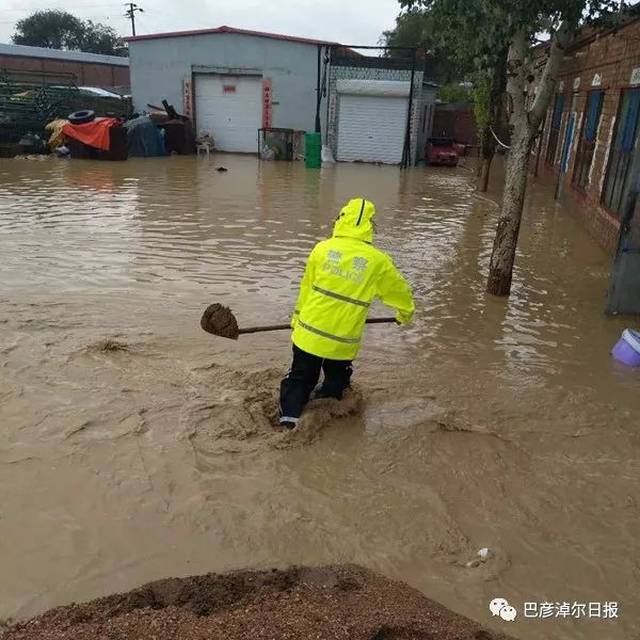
493 423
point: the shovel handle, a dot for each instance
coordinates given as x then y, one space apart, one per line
284 327
271 327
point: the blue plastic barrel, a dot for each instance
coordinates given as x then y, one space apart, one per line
627 349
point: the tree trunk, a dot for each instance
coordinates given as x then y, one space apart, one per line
525 121
486 153
484 170
488 142
506 240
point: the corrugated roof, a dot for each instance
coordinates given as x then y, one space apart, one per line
57 54
226 29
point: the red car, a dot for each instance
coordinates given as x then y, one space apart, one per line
442 151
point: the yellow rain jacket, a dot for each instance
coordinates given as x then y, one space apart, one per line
343 276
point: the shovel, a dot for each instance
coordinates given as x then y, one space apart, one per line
220 321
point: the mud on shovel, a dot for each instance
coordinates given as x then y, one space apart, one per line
220 321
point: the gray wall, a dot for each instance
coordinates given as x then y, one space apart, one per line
158 68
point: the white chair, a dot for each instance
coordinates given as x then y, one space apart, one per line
205 144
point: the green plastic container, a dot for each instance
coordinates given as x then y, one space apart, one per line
313 150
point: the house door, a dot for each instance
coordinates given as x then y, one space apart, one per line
566 153
624 148
554 132
566 147
587 143
624 289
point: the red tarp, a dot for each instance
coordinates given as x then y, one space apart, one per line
93 134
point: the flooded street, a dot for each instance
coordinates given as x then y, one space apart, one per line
134 446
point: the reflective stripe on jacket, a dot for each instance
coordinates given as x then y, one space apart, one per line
342 278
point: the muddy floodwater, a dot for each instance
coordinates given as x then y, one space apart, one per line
134 446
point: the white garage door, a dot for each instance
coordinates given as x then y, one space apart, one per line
372 128
230 108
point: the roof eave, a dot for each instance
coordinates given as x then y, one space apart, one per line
228 30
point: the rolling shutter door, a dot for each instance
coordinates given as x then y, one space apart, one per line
230 108
372 121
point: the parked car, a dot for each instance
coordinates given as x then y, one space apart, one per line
442 151
101 93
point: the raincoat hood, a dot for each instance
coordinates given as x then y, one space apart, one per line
356 220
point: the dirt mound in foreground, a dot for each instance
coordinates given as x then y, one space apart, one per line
341 602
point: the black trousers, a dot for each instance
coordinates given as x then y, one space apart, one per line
297 386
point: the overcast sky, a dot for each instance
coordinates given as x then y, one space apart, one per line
346 21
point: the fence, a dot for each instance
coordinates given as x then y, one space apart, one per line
26 105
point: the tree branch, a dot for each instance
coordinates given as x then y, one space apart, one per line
549 77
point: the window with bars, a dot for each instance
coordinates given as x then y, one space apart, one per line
554 132
587 142
624 148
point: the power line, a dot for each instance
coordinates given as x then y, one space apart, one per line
90 17
61 8
131 14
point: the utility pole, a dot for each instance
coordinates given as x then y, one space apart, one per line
131 14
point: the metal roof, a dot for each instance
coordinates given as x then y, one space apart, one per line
57 54
226 29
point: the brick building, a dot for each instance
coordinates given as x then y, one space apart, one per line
590 137
456 120
44 65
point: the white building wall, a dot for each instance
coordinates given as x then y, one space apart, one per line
159 66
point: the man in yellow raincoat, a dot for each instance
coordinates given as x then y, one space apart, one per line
342 278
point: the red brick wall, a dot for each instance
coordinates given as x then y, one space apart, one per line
85 73
613 56
455 121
